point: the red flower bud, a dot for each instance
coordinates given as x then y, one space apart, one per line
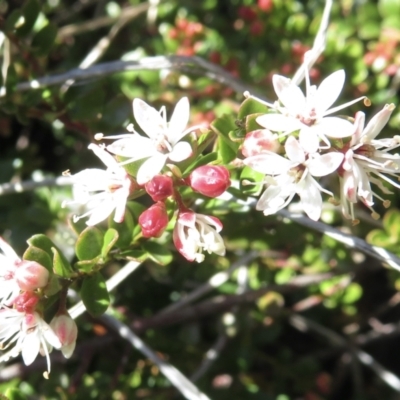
209 180
154 220
30 275
160 187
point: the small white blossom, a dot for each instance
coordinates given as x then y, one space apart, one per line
367 160
9 261
293 175
195 233
163 141
102 191
28 334
308 113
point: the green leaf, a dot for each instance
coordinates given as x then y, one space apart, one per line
391 223
251 106
133 255
89 243
110 238
13 21
158 252
389 8
30 12
378 237
33 253
61 265
42 242
124 229
95 295
202 160
352 293
88 266
43 41
252 124
248 174
14 394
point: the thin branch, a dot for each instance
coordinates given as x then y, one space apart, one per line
21 187
354 242
194 64
183 384
304 324
318 46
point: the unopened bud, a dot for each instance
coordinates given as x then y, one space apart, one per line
30 275
26 302
210 180
160 187
154 220
66 330
259 141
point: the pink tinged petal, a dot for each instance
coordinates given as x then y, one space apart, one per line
8 251
310 198
364 188
348 160
185 247
68 350
329 91
333 127
179 121
268 163
279 123
180 152
135 147
325 164
294 151
148 118
377 122
105 157
359 122
308 140
349 187
150 168
30 347
289 94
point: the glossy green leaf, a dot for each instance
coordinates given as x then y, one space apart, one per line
124 229
251 106
33 253
250 181
43 41
14 394
110 238
88 266
158 252
30 12
61 265
42 242
89 243
95 295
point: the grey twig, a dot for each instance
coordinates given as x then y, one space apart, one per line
179 63
354 242
304 324
21 187
318 46
183 384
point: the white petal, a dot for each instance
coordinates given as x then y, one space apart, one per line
179 120
294 150
329 90
68 349
180 152
150 168
325 164
333 127
289 94
101 212
135 147
50 336
279 123
30 347
359 122
310 198
107 158
378 121
268 163
309 140
8 251
148 118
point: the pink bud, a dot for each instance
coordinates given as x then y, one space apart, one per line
160 187
154 220
26 302
259 141
209 180
30 275
66 330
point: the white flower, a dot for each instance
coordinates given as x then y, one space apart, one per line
9 261
163 140
293 175
308 113
30 333
102 191
195 233
366 160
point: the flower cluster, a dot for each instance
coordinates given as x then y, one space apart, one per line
22 327
317 144
151 161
